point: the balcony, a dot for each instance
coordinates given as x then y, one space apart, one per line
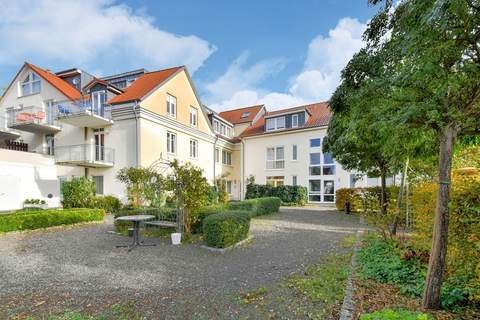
5 132
83 113
32 119
85 155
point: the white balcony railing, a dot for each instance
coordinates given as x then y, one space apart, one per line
31 115
85 154
82 107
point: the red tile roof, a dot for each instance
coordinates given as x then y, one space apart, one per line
235 116
319 116
143 85
63 86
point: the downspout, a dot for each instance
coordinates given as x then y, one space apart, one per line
137 137
242 172
214 160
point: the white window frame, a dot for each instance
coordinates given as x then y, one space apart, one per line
193 148
226 157
193 116
294 180
276 163
276 123
275 180
33 79
295 116
294 152
171 106
217 155
171 142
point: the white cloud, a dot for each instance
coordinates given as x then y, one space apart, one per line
326 57
92 33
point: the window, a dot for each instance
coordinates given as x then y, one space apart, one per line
315 143
217 155
294 152
171 142
216 126
193 148
229 132
30 85
328 167
50 144
193 116
295 121
321 190
275 158
315 158
245 115
314 190
171 106
223 128
328 191
228 186
98 184
294 180
99 137
275 123
226 157
275 181
99 99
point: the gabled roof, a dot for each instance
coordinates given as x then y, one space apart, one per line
287 111
144 84
102 82
63 86
241 115
320 116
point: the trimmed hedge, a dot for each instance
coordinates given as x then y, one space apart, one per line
257 207
224 229
29 220
287 194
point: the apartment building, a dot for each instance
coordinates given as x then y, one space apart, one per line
55 126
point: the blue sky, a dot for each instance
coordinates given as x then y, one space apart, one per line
280 53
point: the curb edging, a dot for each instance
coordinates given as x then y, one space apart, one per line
223 250
348 307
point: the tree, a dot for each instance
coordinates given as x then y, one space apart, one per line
189 185
432 78
145 186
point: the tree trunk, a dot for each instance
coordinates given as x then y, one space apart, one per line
436 264
399 200
383 193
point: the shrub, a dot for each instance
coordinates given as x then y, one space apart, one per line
212 196
463 257
224 229
287 194
110 204
78 193
197 224
351 195
389 314
29 220
34 201
257 207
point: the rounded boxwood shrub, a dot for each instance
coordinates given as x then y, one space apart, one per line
267 205
224 229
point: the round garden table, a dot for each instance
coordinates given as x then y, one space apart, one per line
136 220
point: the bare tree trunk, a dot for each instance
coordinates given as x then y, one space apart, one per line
383 193
436 264
399 200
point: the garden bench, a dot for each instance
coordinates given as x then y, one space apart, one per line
162 223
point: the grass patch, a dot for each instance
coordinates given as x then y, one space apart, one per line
324 283
253 296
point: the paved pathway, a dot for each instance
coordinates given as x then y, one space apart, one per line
49 271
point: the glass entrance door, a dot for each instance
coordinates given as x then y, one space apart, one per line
99 146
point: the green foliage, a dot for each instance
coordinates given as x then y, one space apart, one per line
110 204
78 193
463 257
34 201
257 207
385 262
197 223
351 195
389 314
192 187
222 230
212 196
29 220
221 184
163 213
145 186
287 194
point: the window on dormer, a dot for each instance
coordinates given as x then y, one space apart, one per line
245 114
31 84
295 121
275 123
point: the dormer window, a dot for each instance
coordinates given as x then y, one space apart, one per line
245 115
30 85
295 121
275 123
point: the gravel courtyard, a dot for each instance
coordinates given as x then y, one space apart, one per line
79 268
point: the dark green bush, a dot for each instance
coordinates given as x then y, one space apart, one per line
197 225
110 204
29 220
287 194
78 193
224 229
257 207
212 196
